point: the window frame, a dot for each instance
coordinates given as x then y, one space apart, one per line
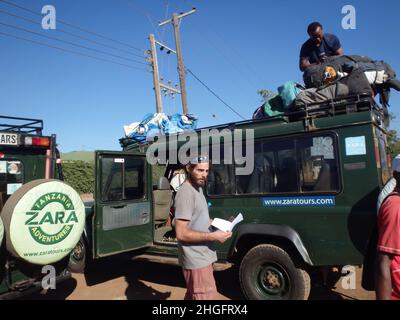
144 197
336 150
23 175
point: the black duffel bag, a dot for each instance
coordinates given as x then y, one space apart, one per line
313 76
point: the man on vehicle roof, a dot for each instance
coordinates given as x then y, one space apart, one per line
318 47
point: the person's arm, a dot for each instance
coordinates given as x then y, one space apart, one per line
305 54
304 63
336 45
383 278
185 234
339 52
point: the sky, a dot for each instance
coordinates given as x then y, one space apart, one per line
235 47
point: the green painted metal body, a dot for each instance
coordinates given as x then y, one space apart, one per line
33 161
108 242
335 235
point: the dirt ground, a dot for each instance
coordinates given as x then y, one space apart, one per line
114 279
121 279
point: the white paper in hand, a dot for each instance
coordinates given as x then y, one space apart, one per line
226 225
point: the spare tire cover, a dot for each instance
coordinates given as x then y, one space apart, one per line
43 221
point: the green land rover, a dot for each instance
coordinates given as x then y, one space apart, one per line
309 202
42 218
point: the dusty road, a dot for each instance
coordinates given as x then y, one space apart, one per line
115 279
121 279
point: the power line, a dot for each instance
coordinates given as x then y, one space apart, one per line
73 26
165 18
70 43
151 20
70 34
220 99
229 61
249 67
70 51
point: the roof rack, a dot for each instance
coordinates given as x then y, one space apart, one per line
26 125
305 112
336 106
331 107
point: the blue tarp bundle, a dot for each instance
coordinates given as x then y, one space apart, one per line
160 124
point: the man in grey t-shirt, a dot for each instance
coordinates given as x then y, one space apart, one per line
195 240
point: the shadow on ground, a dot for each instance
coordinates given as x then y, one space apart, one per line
135 272
138 273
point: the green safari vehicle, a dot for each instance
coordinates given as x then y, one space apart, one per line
42 218
309 203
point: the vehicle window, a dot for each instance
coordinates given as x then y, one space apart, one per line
158 171
383 154
221 178
11 177
318 164
287 178
275 169
263 177
111 179
292 166
122 178
134 178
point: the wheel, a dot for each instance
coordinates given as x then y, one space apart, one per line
267 272
77 258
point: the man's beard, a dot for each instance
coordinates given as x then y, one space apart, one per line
199 183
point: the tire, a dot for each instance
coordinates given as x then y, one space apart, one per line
267 272
43 221
78 257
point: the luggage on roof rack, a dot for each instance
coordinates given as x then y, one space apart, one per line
337 106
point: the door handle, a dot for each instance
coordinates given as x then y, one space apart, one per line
119 207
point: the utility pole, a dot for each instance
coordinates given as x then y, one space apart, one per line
158 86
156 77
181 68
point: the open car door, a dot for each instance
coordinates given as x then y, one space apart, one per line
122 219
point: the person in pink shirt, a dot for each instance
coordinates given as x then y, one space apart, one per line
388 258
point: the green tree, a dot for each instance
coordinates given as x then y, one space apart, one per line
265 94
393 142
80 175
